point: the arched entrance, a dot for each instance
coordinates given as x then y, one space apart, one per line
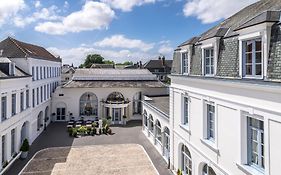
40 121
46 118
186 161
24 132
145 119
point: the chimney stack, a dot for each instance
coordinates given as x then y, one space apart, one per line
163 60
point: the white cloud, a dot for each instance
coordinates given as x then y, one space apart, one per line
66 4
9 8
209 11
120 41
165 50
94 15
37 4
126 5
77 55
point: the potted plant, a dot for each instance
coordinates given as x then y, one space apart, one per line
124 119
179 172
109 131
74 132
24 149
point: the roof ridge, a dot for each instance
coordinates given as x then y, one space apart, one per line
14 41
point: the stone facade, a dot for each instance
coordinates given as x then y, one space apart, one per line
196 61
274 61
228 61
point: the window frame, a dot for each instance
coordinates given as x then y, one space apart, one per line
253 64
184 62
14 104
260 154
3 108
211 60
185 112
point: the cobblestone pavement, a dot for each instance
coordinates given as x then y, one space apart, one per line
57 136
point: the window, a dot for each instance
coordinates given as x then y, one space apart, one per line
45 93
41 93
4 108
21 101
44 72
37 95
210 122
252 58
88 104
151 125
13 141
14 104
256 143
158 132
185 62
41 73
3 149
37 73
209 61
27 98
186 163
33 98
33 75
185 111
208 170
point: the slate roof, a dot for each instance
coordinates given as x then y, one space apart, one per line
154 64
160 102
114 74
101 66
13 48
66 70
113 84
259 12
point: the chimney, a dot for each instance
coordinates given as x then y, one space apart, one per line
141 65
163 60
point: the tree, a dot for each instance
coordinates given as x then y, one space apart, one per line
93 59
128 63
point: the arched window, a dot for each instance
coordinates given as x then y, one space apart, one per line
208 170
151 125
88 104
145 118
115 97
158 132
186 161
166 143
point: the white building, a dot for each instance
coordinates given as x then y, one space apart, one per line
225 97
67 72
28 76
105 93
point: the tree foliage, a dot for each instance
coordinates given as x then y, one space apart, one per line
92 59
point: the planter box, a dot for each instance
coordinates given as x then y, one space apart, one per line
23 155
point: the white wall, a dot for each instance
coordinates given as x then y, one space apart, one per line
227 155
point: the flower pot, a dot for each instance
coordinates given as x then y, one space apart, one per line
24 154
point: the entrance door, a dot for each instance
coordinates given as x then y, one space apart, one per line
61 114
116 112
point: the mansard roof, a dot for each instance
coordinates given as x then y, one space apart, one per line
114 75
259 12
13 48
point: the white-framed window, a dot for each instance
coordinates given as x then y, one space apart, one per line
21 101
252 58
255 137
186 163
184 58
33 74
27 98
14 104
208 170
210 113
37 95
13 141
185 118
209 61
4 108
158 135
145 118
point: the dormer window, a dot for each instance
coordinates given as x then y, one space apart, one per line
184 57
209 61
252 58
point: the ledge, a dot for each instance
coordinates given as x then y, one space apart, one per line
210 144
185 128
249 170
10 163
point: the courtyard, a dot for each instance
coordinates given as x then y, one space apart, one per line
128 138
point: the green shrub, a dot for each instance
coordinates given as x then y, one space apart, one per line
70 130
104 122
179 172
89 130
74 132
25 146
94 131
82 130
94 124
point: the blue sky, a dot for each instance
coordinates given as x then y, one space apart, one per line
120 30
